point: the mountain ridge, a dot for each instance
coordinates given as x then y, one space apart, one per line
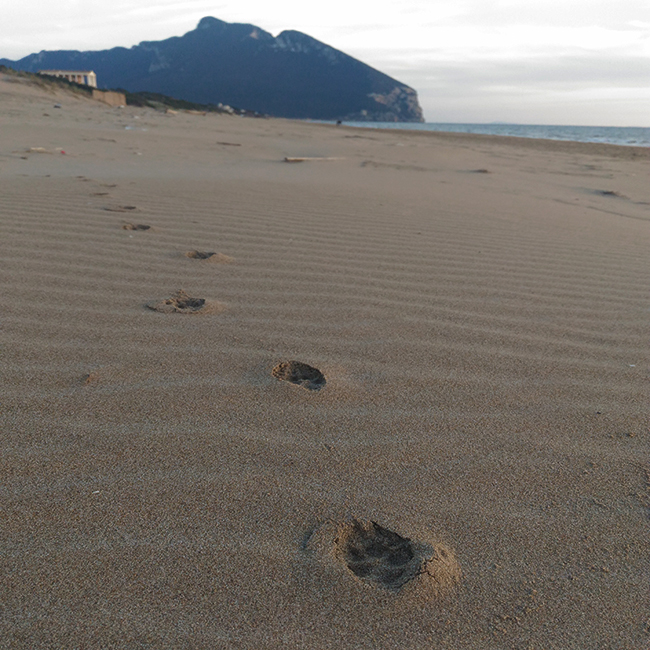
292 75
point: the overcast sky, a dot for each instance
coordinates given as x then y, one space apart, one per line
525 61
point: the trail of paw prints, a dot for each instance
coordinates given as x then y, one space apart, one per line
125 209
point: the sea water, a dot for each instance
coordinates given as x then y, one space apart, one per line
627 136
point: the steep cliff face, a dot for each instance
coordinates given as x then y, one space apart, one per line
291 75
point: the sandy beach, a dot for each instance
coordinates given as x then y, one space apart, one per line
476 313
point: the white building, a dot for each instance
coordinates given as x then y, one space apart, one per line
87 77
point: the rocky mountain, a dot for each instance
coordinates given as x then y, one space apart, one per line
291 75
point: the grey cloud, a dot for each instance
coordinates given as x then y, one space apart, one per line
559 13
561 72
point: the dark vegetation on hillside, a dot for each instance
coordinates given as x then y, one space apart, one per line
143 99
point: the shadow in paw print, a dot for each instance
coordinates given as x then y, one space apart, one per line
180 303
375 553
612 193
300 374
199 255
210 257
120 208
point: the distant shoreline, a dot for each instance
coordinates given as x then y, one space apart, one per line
625 136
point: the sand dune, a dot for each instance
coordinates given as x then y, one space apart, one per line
482 339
